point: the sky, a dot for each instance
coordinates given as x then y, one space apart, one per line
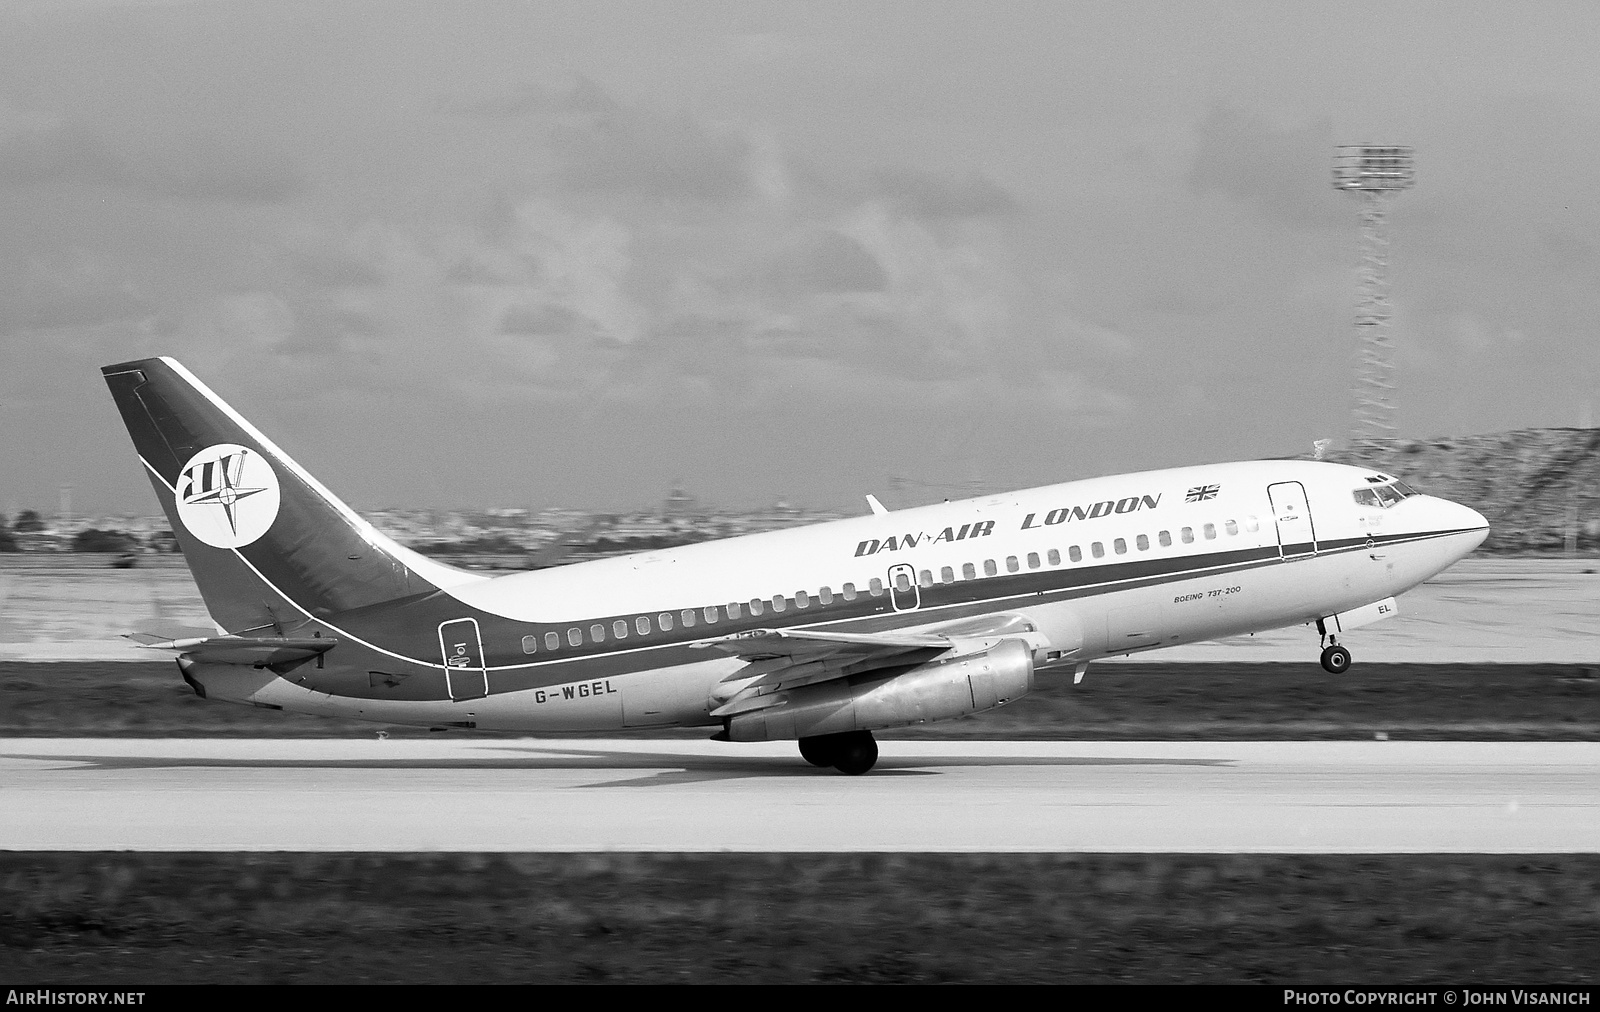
497 254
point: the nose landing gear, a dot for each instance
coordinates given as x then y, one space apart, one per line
1335 658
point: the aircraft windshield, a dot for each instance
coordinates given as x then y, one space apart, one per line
1383 496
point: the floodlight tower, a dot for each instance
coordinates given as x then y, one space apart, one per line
1375 174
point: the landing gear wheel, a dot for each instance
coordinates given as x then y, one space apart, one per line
855 753
1336 660
819 750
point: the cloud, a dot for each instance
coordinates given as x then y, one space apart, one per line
67 291
542 320
254 320
205 165
490 267
198 166
585 263
582 95
64 309
827 261
656 157
935 197
337 269
60 154
1285 173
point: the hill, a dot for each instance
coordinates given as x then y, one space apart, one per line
1539 488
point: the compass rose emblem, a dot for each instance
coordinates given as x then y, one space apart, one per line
227 495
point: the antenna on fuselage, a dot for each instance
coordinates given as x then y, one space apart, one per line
877 507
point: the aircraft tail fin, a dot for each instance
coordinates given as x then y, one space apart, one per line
268 545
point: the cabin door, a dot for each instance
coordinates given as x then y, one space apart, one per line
904 593
1291 511
462 648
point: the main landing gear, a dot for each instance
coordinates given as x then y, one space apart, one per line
850 752
1335 658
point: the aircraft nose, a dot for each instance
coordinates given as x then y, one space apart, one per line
1456 517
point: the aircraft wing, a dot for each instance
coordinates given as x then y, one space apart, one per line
781 659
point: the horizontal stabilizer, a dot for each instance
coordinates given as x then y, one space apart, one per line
160 632
256 651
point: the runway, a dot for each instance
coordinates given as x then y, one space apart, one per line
466 794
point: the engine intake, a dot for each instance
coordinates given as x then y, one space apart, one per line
967 684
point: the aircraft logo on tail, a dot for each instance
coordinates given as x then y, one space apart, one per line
227 495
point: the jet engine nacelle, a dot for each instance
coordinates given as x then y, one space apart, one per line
967 684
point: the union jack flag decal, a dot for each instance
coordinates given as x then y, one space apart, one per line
1200 493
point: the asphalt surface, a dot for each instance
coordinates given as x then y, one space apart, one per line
696 796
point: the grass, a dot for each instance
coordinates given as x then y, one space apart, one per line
1505 702
120 918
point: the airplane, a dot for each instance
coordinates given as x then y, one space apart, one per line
820 634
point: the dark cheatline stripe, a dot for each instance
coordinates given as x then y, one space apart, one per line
410 626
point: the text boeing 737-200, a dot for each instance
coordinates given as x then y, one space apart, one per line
821 634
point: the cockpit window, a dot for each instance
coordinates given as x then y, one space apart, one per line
1382 496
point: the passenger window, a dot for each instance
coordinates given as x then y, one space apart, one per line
989 568
875 587
1251 524
756 606
575 637
902 582
778 603
1231 527
710 613
1210 531
849 591
1120 545
1188 535
552 641
619 628
664 620
1165 538
947 575
1011 564
642 623
1143 541
926 578
732 610
1033 560
969 571
597 633
825 596
1053 557
530 644
801 599
1098 550
688 618
1075 554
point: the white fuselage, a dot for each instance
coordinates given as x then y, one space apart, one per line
1101 567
